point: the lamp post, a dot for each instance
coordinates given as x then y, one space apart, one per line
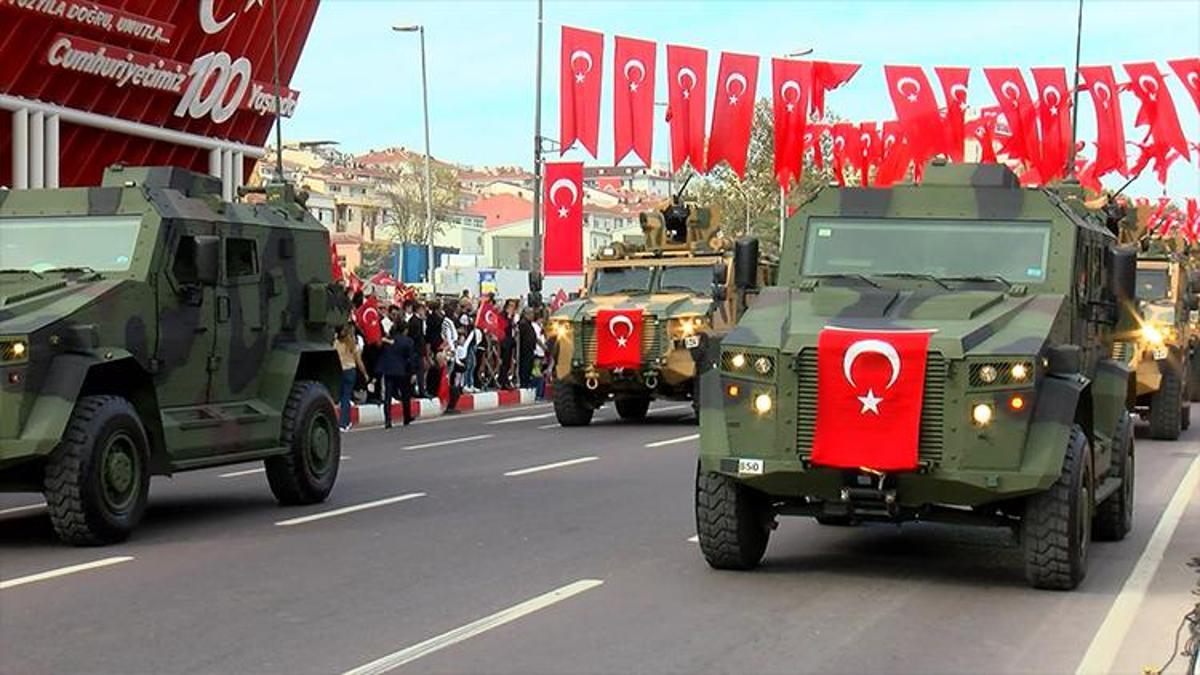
419 29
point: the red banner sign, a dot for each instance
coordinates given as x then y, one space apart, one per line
619 338
563 216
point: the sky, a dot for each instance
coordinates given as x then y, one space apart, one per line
360 82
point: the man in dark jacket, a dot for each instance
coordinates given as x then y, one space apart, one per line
416 333
433 345
397 368
526 343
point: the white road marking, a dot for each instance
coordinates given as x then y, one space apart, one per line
245 472
1103 650
665 408
506 410
63 571
434 644
547 467
448 441
522 418
695 539
22 509
673 441
349 509
556 425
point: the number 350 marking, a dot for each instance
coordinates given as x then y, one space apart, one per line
753 467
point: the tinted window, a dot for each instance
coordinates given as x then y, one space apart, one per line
184 267
102 243
622 280
241 258
1153 284
691 278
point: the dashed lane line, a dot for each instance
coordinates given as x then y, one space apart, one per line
63 571
695 539
434 644
547 467
556 425
521 418
448 441
244 472
349 509
22 509
1103 650
673 441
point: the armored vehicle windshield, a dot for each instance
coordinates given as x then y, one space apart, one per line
622 280
43 244
696 279
1153 284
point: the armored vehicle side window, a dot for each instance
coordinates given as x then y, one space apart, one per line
43 244
1015 251
241 258
1153 284
184 267
622 280
688 278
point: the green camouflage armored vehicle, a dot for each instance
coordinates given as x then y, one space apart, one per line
679 283
1160 351
147 328
1020 417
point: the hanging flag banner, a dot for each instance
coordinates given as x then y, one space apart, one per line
1054 121
790 82
827 77
1017 107
687 78
954 90
633 99
917 110
733 111
563 216
1188 71
1101 84
1157 110
579 88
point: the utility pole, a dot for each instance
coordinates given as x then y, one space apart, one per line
1070 168
536 263
429 228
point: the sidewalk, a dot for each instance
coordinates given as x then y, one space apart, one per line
372 415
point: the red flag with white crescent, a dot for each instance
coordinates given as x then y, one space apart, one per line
1101 84
868 151
1017 107
813 134
619 338
1054 120
633 99
1157 110
1188 71
579 88
563 215
335 263
488 319
870 390
1192 220
983 130
917 109
845 137
828 76
733 111
790 82
894 158
954 89
687 78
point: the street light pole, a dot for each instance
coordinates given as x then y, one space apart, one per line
536 263
429 229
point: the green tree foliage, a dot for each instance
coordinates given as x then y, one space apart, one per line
376 255
405 219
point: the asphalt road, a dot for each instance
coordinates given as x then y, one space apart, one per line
469 556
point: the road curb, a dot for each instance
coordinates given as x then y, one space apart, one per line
421 408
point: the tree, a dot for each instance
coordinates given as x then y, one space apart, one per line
376 255
405 220
751 206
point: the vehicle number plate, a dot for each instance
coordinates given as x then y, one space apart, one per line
1160 353
691 341
750 467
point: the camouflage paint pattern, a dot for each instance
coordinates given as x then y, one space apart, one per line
208 367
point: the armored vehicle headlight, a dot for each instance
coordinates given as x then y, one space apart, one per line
561 328
762 404
988 374
981 414
13 350
738 361
763 365
1019 372
1152 334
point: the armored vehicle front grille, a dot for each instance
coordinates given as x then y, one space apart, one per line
1123 351
932 411
651 339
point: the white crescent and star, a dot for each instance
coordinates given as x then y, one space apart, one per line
1010 90
735 77
910 95
635 64
870 402
560 184
581 54
1148 85
790 85
209 22
1102 87
959 93
1193 80
688 72
620 320
1051 96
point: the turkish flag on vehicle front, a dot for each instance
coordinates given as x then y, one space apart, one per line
870 388
579 83
619 338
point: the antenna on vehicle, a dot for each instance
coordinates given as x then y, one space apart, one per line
679 194
1075 103
278 101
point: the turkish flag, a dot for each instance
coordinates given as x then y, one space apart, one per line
1017 107
383 278
687 73
633 99
812 140
954 89
983 130
1054 120
1188 71
1192 222
563 215
868 151
579 88
894 158
733 111
870 388
335 262
1158 108
353 283
619 338
827 77
845 139
790 83
367 318
1110 132
917 109
488 319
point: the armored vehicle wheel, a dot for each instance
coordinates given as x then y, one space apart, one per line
1166 406
305 475
1057 526
633 409
732 522
97 479
1114 516
570 405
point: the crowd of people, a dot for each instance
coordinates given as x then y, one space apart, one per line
439 348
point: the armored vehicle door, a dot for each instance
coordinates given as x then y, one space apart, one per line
240 340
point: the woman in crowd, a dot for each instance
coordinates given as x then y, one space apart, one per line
350 356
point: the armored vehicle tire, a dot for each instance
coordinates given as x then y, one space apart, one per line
1166 406
633 409
306 473
1057 526
571 408
97 479
1114 516
731 522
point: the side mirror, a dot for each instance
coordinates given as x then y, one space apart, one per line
745 263
1122 271
208 259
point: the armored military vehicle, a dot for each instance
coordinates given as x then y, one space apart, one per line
1160 351
678 286
1003 406
147 327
